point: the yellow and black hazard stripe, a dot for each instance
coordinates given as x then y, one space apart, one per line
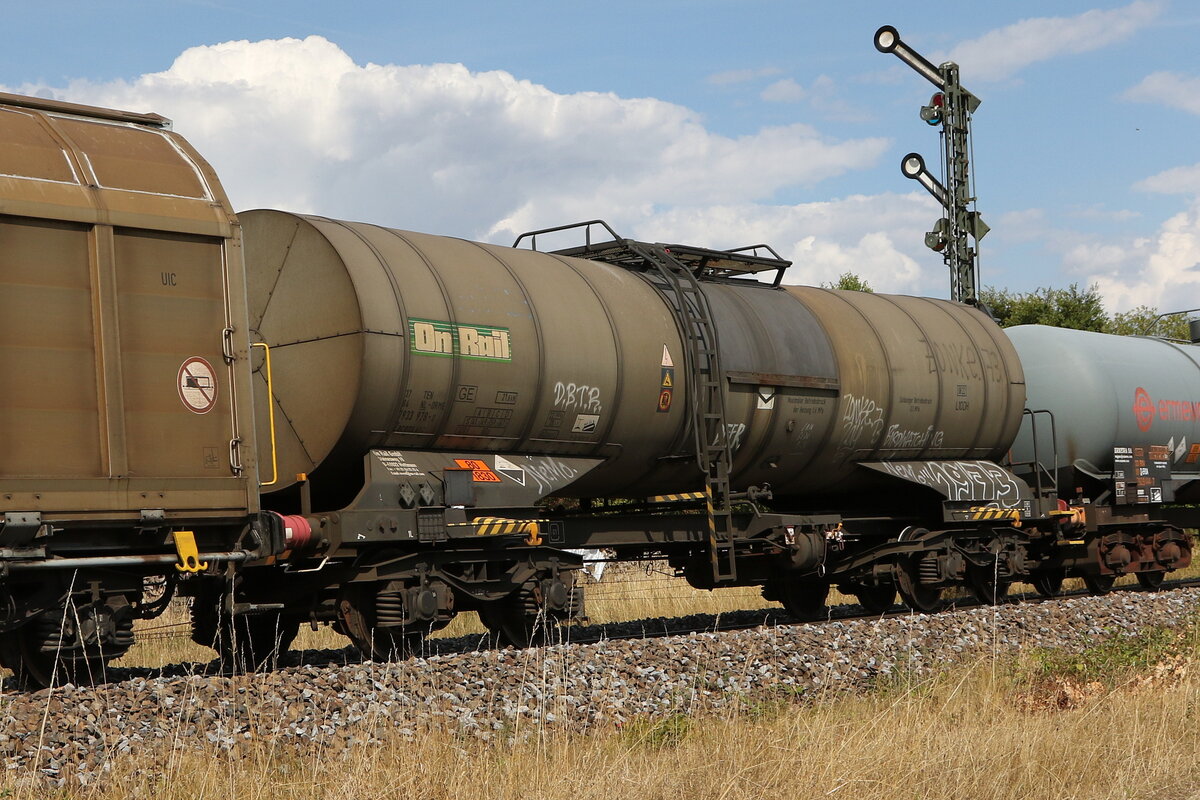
678 498
503 526
991 513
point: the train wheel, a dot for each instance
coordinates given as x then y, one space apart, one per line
1099 584
986 587
259 640
533 615
876 599
71 645
518 619
1151 580
245 642
918 597
357 615
1049 584
804 599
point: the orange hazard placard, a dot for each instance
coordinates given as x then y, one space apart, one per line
480 471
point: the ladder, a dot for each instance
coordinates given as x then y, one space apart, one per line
680 287
676 272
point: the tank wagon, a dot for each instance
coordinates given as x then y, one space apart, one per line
293 419
433 397
1114 424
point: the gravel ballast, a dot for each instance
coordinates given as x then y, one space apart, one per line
71 735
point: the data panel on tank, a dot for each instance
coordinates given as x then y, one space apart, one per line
1138 473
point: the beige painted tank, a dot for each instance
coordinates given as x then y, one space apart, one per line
919 379
386 338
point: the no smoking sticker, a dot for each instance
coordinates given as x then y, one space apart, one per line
197 383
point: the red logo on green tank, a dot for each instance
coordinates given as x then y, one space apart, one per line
1143 409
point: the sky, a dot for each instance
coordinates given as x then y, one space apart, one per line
718 123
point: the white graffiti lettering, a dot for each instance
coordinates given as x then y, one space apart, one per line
898 438
733 434
804 435
862 422
550 473
577 397
976 481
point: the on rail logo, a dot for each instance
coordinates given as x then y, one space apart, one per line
1143 409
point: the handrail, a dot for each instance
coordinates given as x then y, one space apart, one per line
270 411
587 235
1036 466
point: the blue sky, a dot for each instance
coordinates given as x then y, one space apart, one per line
716 123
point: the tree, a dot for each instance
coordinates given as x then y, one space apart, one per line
1062 308
850 282
1146 321
1079 309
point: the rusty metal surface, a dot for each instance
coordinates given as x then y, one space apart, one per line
115 270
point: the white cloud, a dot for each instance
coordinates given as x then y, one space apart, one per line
823 96
784 91
297 124
1097 211
1177 180
1161 271
1170 89
875 237
741 76
1001 53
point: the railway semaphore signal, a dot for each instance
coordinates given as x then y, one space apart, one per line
950 107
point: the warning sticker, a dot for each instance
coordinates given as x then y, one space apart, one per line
664 401
667 384
585 423
766 398
197 383
666 359
480 471
510 470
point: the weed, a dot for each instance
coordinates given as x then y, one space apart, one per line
657 733
1112 660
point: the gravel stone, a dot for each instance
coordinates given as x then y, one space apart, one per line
72 735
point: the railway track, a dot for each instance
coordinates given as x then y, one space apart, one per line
645 628
717 623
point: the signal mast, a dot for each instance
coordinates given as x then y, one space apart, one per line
951 108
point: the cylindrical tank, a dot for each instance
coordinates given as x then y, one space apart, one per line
919 379
1109 391
385 338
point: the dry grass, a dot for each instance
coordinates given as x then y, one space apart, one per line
1121 721
986 730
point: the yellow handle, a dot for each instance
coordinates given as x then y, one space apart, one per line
271 412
